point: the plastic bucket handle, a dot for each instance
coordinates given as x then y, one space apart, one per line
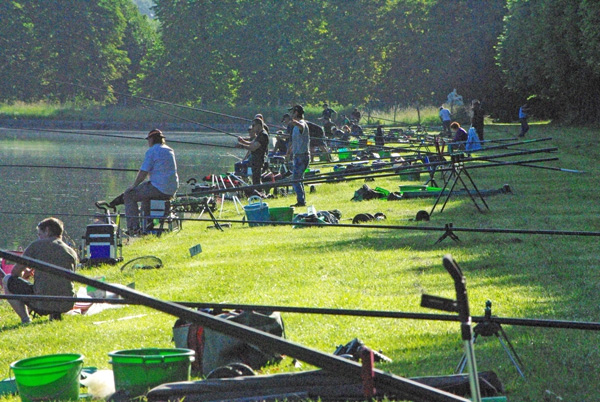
255 199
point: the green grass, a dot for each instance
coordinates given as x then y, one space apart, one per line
525 276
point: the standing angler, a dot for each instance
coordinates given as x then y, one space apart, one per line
258 147
300 151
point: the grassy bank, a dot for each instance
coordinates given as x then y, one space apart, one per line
525 276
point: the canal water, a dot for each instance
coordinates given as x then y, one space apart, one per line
28 194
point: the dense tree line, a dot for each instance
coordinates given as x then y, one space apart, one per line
369 53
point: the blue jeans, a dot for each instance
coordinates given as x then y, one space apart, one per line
300 164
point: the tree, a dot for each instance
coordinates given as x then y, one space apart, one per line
544 51
19 64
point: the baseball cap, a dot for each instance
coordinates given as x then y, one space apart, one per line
154 132
297 108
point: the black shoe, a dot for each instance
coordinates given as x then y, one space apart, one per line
55 317
298 204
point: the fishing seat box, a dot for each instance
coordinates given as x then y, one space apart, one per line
163 219
101 244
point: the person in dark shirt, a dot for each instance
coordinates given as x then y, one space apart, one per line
460 135
280 143
258 148
477 118
379 137
355 115
327 112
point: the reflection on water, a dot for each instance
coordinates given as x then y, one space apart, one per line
30 194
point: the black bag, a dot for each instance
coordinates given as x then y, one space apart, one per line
214 349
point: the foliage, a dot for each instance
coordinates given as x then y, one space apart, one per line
367 53
549 48
52 45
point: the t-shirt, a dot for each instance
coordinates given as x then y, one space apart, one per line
328 113
56 252
159 162
522 113
445 115
258 155
300 139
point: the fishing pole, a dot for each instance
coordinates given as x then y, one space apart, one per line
153 100
327 177
433 153
189 121
417 157
558 169
380 167
332 179
70 167
386 382
524 322
113 136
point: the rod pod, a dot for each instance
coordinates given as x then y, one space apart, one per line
461 306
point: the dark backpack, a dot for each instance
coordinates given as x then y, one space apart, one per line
214 349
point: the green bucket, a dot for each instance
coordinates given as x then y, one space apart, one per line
281 214
138 370
48 378
412 187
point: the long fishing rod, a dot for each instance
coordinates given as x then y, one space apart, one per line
381 167
524 322
152 100
503 146
70 167
189 121
545 232
307 181
344 175
418 158
114 136
386 382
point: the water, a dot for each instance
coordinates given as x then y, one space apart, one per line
30 194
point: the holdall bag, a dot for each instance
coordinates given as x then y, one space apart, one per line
214 349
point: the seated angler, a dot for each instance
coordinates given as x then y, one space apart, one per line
160 168
460 135
49 248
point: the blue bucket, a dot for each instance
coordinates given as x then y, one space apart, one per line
257 210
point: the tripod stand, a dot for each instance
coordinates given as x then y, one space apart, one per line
489 327
458 169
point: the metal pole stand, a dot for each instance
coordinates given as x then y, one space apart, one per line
448 233
206 208
458 168
489 327
461 306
